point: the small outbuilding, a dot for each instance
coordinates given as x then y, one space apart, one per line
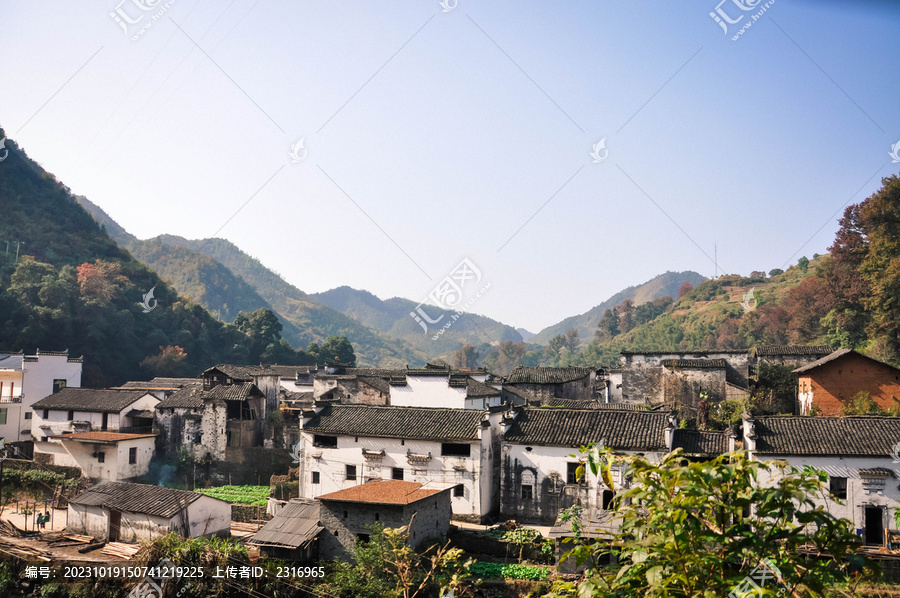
292 533
126 512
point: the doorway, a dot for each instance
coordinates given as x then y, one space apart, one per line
115 523
874 525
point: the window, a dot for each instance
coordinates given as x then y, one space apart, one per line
377 516
132 455
351 472
315 477
362 537
572 473
838 487
449 449
345 514
459 490
3 415
58 384
607 499
527 491
71 415
46 413
101 457
28 415
396 473
325 441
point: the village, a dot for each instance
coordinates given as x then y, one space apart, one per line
446 452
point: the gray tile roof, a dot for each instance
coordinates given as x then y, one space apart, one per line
546 375
626 430
158 383
190 397
695 364
701 442
193 395
296 524
90 399
379 384
479 390
289 372
137 498
242 372
828 436
779 350
397 422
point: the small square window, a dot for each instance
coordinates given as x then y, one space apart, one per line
101 457
28 415
396 473
527 490
459 490
46 413
838 487
315 477
572 473
351 472
71 415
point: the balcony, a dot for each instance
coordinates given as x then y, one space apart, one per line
9 399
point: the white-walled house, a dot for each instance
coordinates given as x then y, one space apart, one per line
856 453
124 512
345 445
159 387
24 379
102 456
453 391
540 456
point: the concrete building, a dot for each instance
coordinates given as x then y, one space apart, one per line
544 383
348 515
24 380
346 445
538 472
101 456
216 420
829 383
124 512
859 454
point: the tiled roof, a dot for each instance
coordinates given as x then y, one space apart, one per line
778 350
385 492
701 442
289 372
836 355
478 390
379 384
242 372
570 403
296 524
627 430
828 436
233 392
545 375
190 397
90 399
694 353
694 364
522 393
160 383
137 498
102 436
397 422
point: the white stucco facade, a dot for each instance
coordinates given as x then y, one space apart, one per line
434 391
51 422
101 460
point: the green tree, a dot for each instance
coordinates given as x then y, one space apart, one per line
699 529
803 264
337 348
775 272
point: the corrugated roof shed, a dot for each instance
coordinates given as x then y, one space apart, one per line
138 498
397 422
295 525
626 430
827 436
546 375
104 400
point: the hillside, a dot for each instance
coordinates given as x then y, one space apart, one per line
391 316
72 287
659 286
218 275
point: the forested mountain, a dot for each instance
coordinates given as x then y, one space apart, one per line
225 280
659 286
391 316
72 287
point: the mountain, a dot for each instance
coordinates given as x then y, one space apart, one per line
525 334
218 275
659 286
392 317
73 287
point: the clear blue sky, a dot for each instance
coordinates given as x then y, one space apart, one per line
450 130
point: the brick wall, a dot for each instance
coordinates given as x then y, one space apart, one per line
831 385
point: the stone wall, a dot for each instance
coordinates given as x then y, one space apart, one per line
249 514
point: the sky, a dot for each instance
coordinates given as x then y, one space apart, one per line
433 133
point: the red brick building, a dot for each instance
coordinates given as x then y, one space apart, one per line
830 382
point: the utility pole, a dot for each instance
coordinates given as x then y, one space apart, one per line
17 250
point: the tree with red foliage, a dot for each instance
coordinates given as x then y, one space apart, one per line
684 288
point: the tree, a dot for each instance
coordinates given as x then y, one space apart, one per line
803 264
466 357
169 363
339 349
572 340
699 529
684 289
608 326
775 272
